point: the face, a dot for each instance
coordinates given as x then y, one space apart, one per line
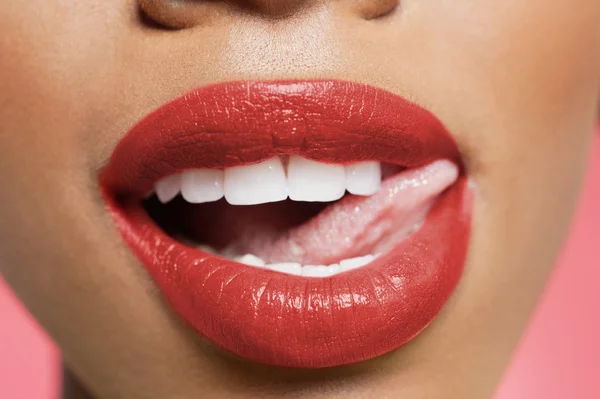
515 83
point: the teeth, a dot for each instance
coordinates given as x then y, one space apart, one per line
250 260
315 181
202 185
265 182
363 178
289 268
297 269
168 188
316 271
256 184
353 263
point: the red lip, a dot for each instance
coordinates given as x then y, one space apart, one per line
275 318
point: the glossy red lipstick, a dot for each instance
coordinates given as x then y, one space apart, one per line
271 317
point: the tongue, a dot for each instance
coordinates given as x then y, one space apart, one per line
318 233
354 226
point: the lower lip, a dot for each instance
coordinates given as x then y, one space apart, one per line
295 321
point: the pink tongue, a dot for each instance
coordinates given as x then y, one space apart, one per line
356 226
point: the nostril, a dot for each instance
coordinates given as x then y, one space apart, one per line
176 14
180 14
149 21
372 9
277 8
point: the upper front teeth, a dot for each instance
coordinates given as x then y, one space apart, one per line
315 181
256 184
306 180
202 185
360 178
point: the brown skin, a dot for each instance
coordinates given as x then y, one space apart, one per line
517 82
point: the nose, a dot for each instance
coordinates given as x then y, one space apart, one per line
188 13
180 14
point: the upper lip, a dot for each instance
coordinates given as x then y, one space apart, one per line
280 319
247 122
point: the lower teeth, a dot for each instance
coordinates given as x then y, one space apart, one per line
296 268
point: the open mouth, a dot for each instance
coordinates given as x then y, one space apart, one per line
298 216
294 223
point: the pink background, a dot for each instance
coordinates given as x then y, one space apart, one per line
558 358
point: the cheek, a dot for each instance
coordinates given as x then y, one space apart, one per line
502 76
514 55
57 57
516 80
